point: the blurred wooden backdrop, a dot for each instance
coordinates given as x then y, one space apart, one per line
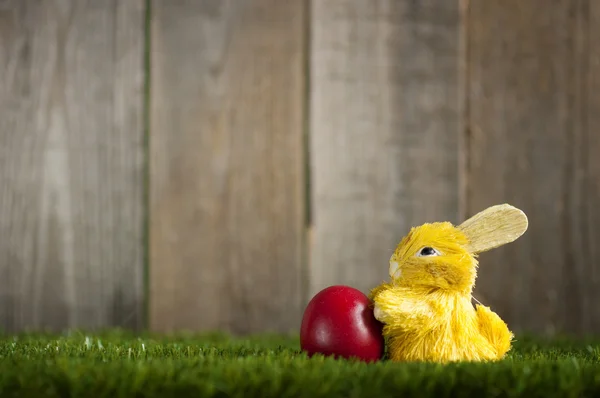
212 164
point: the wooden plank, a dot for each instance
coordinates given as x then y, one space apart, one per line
385 131
533 123
590 216
71 164
227 168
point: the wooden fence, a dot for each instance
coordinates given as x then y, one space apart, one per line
212 164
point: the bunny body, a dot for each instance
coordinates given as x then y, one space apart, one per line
439 326
426 307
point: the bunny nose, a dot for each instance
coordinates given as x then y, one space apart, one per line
395 270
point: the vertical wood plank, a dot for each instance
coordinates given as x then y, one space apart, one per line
227 171
590 216
384 131
71 164
533 142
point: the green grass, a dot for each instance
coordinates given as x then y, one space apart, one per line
118 364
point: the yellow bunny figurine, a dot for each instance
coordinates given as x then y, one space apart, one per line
426 307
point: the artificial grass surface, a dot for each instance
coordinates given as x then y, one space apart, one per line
118 364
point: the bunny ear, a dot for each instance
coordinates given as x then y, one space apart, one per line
494 227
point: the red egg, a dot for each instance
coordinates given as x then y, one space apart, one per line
339 322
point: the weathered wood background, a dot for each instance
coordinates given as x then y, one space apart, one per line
71 163
212 164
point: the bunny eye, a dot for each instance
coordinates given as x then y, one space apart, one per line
427 252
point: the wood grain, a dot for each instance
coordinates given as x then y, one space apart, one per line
385 125
589 217
533 105
227 172
71 164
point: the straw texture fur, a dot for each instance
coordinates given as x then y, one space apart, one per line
426 306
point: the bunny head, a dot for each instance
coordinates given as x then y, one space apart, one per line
441 255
